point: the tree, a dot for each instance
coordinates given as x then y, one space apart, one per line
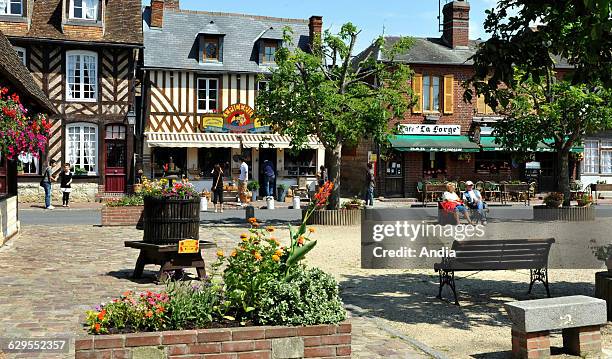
515 71
328 93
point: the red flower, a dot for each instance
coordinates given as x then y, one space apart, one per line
323 194
15 97
101 314
3 91
10 112
97 327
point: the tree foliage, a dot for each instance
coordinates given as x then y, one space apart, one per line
518 72
329 93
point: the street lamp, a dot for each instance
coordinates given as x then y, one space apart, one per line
131 117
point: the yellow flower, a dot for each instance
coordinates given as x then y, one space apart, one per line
244 237
220 253
270 229
275 258
278 252
233 253
257 256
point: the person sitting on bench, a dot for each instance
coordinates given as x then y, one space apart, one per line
473 199
452 203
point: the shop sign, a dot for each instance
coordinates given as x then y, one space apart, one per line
189 246
441 130
238 117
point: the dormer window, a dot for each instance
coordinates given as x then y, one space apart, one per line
83 9
11 7
211 49
269 53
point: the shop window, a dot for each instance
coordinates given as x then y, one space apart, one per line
82 147
493 163
434 165
207 94
394 166
11 7
82 76
209 157
303 163
173 157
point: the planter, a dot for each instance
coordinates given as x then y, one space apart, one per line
282 193
583 203
121 216
340 217
554 204
168 221
571 214
317 341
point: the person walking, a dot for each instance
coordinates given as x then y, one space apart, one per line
370 184
269 177
322 176
217 187
65 184
242 182
46 181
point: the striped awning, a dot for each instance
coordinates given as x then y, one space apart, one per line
232 140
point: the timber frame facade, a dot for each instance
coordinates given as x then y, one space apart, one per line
85 62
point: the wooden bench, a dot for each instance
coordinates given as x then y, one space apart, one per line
509 254
432 189
167 256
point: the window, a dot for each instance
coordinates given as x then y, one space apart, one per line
81 147
82 75
303 163
482 108
263 85
207 95
84 9
211 49
29 163
493 162
590 163
21 53
606 157
269 51
431 93
11 7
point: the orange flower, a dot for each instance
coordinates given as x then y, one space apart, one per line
220 253
244 237
149 314
270 229
101 314
257 256
159 309
233 253
97 327
275 258
311 230
127 293
255 225
278 252
300 240
252 220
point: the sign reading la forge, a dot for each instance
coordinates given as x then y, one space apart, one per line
440 130
235 118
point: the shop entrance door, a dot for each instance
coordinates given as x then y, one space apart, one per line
270 155
394 176
115 150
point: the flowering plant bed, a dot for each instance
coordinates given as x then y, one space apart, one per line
161 188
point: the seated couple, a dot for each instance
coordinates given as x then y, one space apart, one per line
471 198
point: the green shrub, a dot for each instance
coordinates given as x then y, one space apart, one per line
194 306
253 186
131 200
309 297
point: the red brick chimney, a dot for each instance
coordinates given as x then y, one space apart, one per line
315 24
157 10
456 23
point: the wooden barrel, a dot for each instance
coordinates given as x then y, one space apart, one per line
168 221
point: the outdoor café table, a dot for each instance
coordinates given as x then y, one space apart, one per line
168 257
432 189
515 188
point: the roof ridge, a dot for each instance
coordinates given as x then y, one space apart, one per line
256 17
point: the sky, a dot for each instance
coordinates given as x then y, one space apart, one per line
394 17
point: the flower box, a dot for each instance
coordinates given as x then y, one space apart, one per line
339 217
318 341
570 214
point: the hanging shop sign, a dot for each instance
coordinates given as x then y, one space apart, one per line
441 130
235 118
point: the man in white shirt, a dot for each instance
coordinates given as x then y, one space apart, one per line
242 181
473 199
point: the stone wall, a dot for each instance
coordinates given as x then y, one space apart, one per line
32 192
8 219
319 341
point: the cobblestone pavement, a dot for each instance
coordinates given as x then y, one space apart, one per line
50 276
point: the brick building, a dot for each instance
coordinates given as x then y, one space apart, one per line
82 54
436 138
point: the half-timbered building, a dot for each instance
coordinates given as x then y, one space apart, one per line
202 73
82 54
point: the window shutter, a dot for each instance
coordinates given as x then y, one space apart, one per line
417 89
480 105
449 99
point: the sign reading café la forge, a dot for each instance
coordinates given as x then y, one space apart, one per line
235 118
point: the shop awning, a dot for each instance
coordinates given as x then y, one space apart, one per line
488 144
217 140
421 143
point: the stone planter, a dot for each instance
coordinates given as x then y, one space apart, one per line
340 217
570 214
121 216
319 341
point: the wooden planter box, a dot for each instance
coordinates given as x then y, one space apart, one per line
570 214
319 341
168 221
340 217
121 216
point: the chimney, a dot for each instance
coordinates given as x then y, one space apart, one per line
157 10
456 23
315 24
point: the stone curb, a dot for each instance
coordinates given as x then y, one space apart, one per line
362 313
